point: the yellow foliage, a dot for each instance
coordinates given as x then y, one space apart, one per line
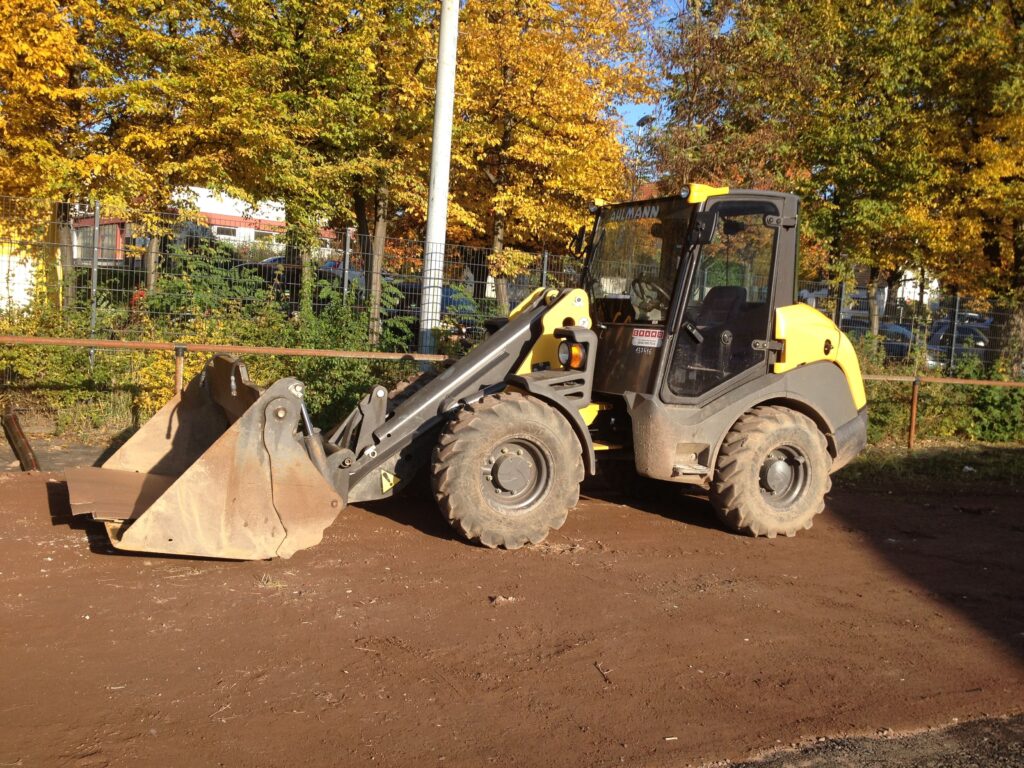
510 262
534 139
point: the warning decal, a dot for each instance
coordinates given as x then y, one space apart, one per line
648 337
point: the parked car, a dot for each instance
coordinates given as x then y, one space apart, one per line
284 277
459 313
336 268
971 341
897 339
857 307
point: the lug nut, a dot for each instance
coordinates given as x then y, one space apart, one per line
488 478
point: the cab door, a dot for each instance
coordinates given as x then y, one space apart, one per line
632 285
721 335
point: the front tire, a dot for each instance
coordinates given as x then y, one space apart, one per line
507 470
772 473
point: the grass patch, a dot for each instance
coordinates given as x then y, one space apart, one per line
937 468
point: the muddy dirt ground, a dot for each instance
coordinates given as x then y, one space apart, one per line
640 634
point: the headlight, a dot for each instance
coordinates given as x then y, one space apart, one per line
571 354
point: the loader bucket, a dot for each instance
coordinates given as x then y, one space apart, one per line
221 471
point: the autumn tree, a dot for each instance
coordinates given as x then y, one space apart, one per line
535 135
394 132
41 56
117 101
822 101
974 222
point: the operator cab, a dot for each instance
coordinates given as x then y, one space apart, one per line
682 290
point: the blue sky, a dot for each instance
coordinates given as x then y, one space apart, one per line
633 112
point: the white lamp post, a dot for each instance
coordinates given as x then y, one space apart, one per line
440 161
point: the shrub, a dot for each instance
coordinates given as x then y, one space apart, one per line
205 299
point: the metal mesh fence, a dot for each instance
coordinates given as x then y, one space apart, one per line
98 271
95 271
916 324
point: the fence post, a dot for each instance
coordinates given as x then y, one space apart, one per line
346 260
912 433
179 369
544 269
952 335
95 277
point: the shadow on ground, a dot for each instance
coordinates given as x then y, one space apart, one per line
951 520
60 514
990 743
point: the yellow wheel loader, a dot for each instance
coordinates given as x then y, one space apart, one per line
682 350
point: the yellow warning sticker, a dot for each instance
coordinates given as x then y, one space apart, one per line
387 480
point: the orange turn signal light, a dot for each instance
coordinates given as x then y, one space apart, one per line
572 354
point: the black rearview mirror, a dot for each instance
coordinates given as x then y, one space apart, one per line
577 242
732 227
703 229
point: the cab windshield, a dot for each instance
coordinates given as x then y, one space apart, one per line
635 258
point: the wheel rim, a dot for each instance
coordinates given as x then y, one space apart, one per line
515 474
783 476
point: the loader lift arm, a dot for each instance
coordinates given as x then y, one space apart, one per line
228 471
372 440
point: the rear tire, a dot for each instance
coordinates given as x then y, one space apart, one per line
772 473
507 470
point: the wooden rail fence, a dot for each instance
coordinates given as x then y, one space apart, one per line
181 349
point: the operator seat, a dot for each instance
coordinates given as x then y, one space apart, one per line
722 304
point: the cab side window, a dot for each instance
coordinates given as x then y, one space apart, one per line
728 302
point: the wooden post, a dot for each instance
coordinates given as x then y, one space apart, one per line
19 443
179 369
913 413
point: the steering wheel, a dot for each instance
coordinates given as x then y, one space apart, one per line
646 293
643 288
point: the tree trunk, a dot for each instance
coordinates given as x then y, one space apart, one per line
298 273
1013 337
500 280
54 263
374 269
476 261
362 223
872 291
1007 331
1013 343
892 309
66 238
151 261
